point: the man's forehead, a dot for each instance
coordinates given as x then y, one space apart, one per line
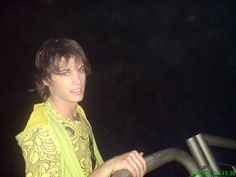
74 62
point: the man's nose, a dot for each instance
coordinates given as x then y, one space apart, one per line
76 78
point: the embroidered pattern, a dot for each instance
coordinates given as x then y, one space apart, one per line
80 134
41 155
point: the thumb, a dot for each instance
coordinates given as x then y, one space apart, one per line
141 153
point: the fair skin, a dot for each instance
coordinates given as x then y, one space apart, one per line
66 91
67 87
131 161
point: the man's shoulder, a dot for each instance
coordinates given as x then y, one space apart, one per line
37 120
38 117
81 110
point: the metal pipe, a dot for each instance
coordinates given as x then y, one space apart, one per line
163 157
221 142
197 153
207 152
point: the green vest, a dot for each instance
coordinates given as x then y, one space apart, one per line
70 166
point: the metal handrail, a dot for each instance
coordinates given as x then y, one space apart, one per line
199 147
220 142
197 153
163 157
207 152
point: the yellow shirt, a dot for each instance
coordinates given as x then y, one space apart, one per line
43 150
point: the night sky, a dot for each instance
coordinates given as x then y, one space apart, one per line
163 71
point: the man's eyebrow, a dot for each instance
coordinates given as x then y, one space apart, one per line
64 69
80 66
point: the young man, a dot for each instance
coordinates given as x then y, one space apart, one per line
58 139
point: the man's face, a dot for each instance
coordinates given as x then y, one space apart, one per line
68 85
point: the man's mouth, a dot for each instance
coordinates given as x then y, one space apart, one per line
77 91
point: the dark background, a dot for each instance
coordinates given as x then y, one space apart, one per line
163 71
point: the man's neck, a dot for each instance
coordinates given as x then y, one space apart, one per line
64 108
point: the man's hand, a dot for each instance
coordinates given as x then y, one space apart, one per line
132 161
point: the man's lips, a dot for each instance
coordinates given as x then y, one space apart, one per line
77 91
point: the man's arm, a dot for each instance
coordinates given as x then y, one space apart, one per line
40 154
132 161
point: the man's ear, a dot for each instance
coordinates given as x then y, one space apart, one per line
46 82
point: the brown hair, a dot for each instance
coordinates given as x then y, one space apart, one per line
48 59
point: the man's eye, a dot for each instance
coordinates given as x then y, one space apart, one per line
81 70
65 73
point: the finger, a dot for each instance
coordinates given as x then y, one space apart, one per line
133 167
141 153
136 163
143 161
140 162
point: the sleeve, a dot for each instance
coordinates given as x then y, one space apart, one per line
41 155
